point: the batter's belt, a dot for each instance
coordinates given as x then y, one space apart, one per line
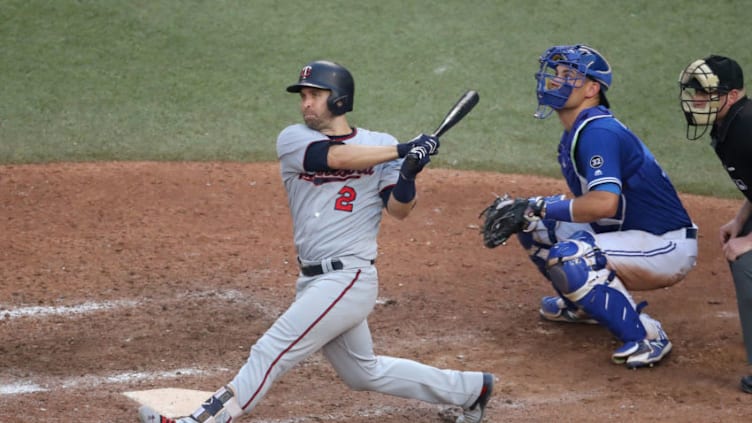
330 265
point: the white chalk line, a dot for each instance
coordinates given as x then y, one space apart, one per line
29 386
11 313
85 308
26 386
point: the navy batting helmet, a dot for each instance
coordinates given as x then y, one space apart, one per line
328 76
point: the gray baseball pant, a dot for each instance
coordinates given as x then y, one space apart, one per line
741 271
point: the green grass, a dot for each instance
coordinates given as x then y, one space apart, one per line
204 80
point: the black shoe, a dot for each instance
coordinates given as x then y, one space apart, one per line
747 384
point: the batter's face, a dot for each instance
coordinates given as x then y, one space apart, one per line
314 108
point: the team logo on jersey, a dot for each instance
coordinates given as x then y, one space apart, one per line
319 178
305 73
596 162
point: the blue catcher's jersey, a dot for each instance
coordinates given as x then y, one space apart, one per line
601 150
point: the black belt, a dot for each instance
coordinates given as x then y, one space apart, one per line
691 233
317 269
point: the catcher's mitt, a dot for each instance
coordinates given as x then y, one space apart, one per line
503 218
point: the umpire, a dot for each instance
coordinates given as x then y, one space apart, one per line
712 96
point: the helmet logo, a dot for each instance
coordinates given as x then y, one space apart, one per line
306 72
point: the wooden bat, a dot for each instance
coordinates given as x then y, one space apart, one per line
457 112
460 109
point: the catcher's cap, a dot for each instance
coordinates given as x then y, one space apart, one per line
729 73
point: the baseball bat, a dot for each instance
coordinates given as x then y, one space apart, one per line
460 109
457 112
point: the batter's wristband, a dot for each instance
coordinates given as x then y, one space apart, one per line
404 191
403 149
559 210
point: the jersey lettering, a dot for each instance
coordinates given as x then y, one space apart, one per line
336 175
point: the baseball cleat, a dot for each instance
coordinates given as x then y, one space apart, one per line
147 415
746 384
622 353
555 310
475 413
650 352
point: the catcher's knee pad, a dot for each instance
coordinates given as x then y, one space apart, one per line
577 268
538 241
538 253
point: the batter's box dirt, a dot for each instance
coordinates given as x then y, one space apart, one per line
97 232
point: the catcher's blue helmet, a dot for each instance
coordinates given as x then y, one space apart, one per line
330 76
587 61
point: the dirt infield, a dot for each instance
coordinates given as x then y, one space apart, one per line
129 276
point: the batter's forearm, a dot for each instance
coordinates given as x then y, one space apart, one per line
402 199
357 157
398 209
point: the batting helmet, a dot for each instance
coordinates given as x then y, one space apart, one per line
328 76
585 60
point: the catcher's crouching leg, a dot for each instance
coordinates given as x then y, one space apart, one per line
537 242
577 269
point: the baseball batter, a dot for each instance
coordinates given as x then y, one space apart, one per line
625 229
338 180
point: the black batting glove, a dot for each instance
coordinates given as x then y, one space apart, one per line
428 141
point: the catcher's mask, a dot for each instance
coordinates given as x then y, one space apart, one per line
554 87
703 88
328 76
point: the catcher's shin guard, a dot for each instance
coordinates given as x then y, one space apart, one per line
577 269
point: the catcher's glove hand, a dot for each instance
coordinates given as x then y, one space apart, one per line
506 216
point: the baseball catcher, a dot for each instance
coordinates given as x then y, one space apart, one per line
624 227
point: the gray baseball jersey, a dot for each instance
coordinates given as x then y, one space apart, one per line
323 204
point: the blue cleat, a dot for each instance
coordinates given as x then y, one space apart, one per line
556 310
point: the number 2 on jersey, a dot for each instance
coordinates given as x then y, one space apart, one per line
344 201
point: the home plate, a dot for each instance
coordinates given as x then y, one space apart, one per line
170 402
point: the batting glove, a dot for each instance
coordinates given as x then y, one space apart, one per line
428 141
415 160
